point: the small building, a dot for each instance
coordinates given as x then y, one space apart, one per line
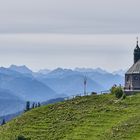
132 76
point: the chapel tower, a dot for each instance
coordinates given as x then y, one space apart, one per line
137 52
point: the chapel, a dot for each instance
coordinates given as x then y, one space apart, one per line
132 76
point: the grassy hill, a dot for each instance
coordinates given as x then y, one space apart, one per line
83 118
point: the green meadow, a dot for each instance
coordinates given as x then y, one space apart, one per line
95 117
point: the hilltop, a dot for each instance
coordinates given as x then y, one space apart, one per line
100 117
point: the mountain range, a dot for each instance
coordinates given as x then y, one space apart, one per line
19 84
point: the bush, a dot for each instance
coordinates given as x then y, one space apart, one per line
93 93
123 96
22 138
117 91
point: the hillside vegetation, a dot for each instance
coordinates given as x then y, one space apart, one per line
92 117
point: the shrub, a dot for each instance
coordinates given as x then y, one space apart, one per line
93 93
117 91
22 138
123 96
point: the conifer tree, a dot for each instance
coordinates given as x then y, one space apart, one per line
36 105
33 105
39 104
27 106
3 122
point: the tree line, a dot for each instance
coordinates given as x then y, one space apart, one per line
30 106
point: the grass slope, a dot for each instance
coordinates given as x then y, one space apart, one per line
83 118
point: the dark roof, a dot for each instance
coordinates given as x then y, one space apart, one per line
135 69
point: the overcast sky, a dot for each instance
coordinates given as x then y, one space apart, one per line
69 33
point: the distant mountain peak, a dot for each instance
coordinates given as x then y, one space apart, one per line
15 66
120 72
60 71
21 69
99 70
8 71
44 71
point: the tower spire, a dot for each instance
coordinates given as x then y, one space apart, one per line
137 51
137 41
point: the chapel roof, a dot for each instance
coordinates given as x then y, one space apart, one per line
135 69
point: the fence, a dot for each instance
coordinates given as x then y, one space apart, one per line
87 94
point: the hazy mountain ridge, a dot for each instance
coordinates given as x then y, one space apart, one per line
71 84
99 70
17 88
64 80
10 103
120 72
22 69
27 88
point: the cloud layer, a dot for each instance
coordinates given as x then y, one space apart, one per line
74 16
